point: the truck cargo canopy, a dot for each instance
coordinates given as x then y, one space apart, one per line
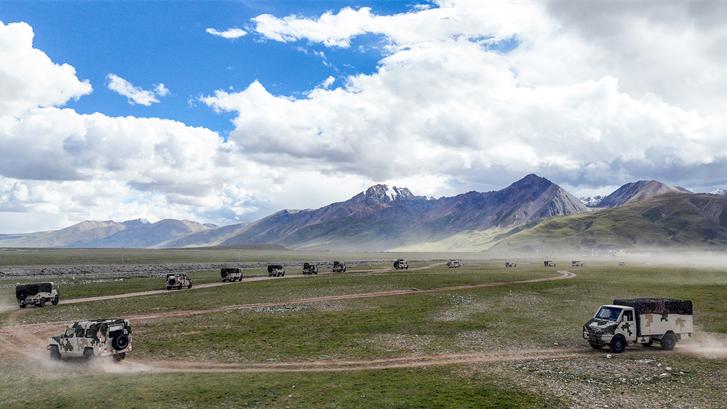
657 305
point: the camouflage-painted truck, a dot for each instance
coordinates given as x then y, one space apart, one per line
178 281
310 268
37 294
642 321
229 274
90 339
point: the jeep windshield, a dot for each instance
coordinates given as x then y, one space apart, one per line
609 313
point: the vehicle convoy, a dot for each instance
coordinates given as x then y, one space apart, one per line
452 263
640 320
178 281
401 264
90 339
231 274
339 267
276 270
310 268
576 263
36 294
509 264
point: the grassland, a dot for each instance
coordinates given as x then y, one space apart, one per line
534 316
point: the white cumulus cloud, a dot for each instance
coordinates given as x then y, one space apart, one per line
134 94
230 33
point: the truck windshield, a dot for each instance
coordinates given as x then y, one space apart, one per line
608 313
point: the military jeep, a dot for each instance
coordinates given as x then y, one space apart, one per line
401 264
453 263
36 294
310 268
178 281
339 267
90 339
276 270
231 274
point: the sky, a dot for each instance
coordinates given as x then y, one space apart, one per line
226 111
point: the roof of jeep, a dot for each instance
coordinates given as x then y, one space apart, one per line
101 321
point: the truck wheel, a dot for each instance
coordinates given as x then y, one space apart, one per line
647 344
595 346
668 341
618 344
88 354
56 299
55 354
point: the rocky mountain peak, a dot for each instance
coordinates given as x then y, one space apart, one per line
384 194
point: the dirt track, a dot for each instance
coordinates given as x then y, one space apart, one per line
26 341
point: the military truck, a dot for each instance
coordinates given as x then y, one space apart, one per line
339 267
276 270
90 339
178 281
401 264
640 320
310 268
36 294
231 274
452 263
548 263
509 264
576 263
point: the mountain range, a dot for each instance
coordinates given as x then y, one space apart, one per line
531 213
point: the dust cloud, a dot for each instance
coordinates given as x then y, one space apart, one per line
705 345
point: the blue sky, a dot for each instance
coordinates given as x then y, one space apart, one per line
440 97
165 42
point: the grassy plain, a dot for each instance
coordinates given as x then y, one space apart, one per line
518 317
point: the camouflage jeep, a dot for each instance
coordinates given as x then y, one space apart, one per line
276 270
178 281
36 294
401 264
89 339
231 274
452 263
310 268
339 267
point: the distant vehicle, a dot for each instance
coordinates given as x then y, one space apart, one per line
339 267
231 274
401 264
36 294
576 263
178 281
548 263
510 264
452 263
90 339
310 268
276 270
621 263
640 320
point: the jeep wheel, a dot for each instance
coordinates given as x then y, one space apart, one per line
618 344
169 287
120 342
55 354
23 305
668 341
41 302
595 346
189 285
119 357
88 354
56 299
22 294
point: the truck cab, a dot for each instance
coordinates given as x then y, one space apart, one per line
640 321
